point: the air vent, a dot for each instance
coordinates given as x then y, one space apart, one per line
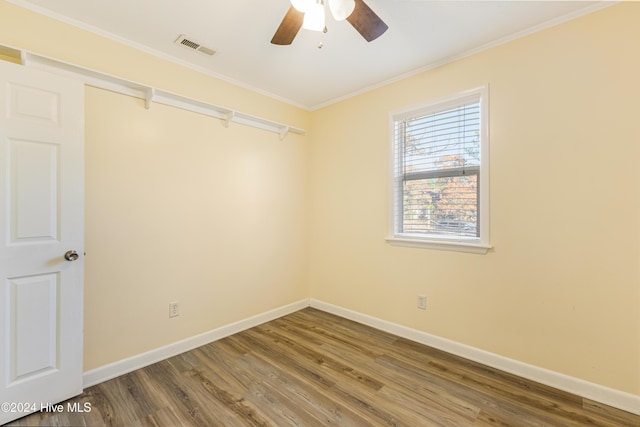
192 44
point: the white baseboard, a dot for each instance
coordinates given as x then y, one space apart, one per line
121 367
615 398
608 396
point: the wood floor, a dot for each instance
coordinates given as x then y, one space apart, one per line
311 368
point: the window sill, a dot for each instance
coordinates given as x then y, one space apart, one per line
457 246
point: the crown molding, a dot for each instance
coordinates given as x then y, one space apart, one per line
148 50
495 43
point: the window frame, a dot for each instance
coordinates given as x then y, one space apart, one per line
452 243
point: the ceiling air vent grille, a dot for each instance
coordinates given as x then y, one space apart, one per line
192 44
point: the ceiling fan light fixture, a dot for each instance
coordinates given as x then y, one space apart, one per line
314 18
364 20
341 9
302 5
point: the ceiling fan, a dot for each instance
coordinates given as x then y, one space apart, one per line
310 14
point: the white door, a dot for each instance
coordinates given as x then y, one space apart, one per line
41 219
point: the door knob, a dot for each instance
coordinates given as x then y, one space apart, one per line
71 255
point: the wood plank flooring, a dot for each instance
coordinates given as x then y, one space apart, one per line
311 368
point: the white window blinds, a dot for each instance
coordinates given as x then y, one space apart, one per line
437 170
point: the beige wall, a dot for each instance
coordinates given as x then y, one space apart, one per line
233 222
178 207
561 287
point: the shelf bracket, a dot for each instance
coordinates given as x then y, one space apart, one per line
228 118
148 97
283 132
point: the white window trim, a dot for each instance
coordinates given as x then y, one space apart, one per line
480 245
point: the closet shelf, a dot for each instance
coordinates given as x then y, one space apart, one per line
154 95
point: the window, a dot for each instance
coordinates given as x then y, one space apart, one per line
439 182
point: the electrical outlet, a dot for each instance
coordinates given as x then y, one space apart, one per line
174 309
422 302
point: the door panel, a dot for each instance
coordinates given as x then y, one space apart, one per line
41 218
33 191
33 312
33 104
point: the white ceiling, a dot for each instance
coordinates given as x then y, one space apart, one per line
422 34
